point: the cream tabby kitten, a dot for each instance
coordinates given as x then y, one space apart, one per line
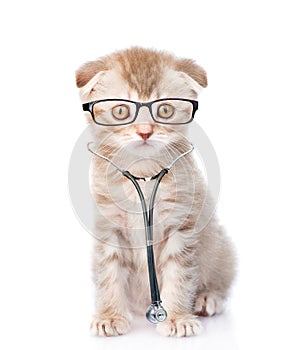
195 268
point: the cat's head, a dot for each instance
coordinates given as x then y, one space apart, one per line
141 75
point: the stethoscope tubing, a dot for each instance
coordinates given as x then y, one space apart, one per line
148 224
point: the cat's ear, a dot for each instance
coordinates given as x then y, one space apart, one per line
193 70
87 71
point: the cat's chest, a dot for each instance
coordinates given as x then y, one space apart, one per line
120 204
166 191
133 212
126 199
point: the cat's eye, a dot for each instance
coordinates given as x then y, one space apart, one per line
121 112
165 111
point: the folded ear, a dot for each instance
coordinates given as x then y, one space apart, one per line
87 71
193 70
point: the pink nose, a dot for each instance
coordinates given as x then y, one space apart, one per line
144 136
144 131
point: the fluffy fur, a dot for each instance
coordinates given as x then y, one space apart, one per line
195 268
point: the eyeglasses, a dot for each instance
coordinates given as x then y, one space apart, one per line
114 112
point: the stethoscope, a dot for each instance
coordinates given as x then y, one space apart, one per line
155 312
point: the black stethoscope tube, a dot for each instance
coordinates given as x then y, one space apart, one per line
148 224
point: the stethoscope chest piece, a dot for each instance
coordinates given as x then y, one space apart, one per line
156 313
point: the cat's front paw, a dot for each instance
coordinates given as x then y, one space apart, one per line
108 327
182 326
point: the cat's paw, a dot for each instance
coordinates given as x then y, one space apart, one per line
183 326
109 327
208 304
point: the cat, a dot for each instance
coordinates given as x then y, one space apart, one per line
195 268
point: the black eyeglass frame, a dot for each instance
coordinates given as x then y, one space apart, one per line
89 107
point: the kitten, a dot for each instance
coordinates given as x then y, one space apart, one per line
195 269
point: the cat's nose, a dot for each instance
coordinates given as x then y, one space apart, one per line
144 136
144 131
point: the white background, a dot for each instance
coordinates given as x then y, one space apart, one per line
46 299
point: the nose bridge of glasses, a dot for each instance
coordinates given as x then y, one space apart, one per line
144 113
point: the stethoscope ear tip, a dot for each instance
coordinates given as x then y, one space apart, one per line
156 313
